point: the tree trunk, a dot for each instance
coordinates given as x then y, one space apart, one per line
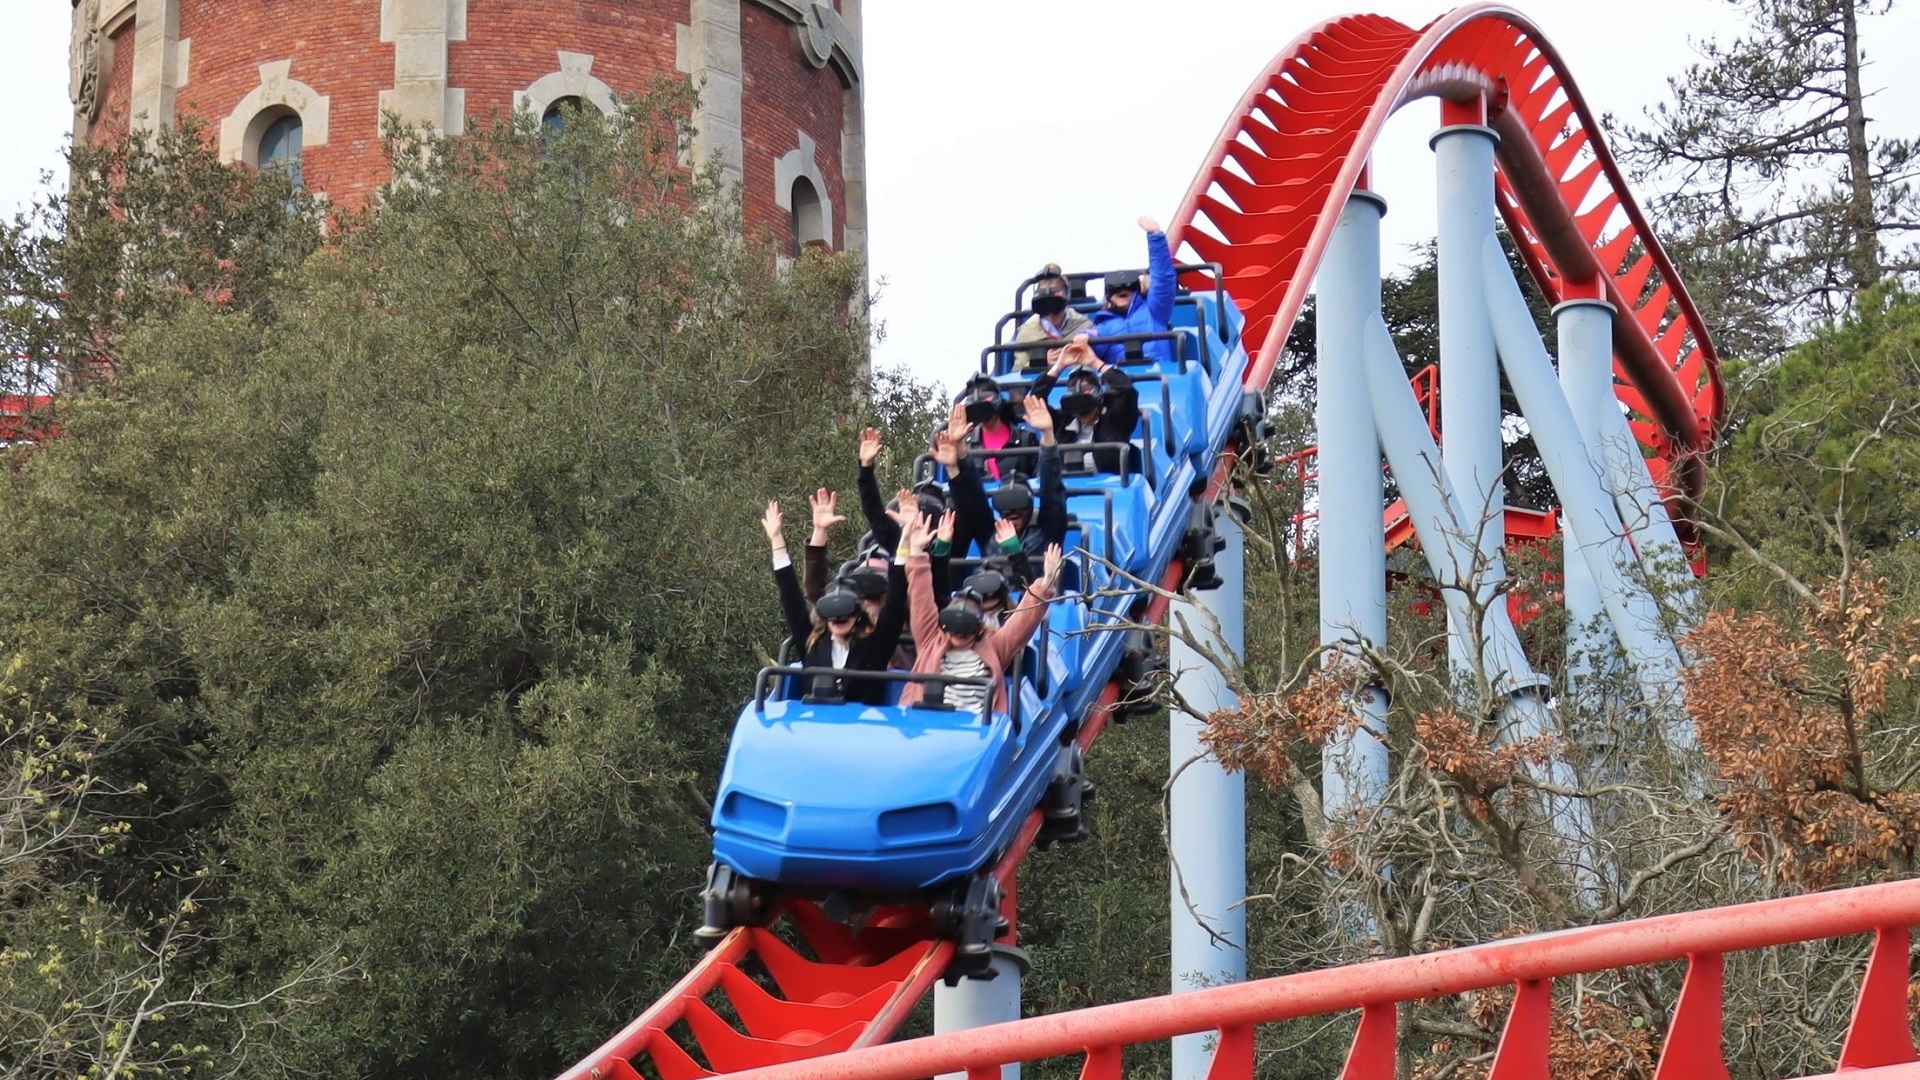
1865 258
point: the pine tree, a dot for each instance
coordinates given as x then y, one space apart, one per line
1780 203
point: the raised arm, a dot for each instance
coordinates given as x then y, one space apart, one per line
793 606
873 507
975 522
815 568
1162 282
922 610
1019 627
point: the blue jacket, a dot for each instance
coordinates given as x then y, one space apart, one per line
1153 315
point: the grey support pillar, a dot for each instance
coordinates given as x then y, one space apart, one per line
1353 562
1207 804
972 1003
1469 368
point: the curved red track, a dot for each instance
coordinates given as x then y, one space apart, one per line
1263 206
1266 201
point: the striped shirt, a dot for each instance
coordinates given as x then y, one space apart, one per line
966 664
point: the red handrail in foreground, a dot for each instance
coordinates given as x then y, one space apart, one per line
1878 1046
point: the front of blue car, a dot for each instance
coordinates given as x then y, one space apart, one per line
876 799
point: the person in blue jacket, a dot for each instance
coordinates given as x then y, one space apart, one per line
1128 311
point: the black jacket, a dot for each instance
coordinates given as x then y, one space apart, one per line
1119 415
872 651
1047 526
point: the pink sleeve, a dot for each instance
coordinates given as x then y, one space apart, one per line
923 613
1013 634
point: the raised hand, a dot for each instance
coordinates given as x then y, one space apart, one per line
1149 224
870 447
1039 417
946 449
948 521
957 425
905 509
917 533
825 516
1004 531
1079 353
1055 560
773 523
1056 359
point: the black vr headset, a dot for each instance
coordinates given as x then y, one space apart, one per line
1050 296
962 615
836 603
863 581
1084 393
1013 497
989 585
983 399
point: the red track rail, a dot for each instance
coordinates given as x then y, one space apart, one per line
1878 1043
1263 206
1265 203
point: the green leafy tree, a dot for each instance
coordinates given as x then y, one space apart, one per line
409 577
1781 199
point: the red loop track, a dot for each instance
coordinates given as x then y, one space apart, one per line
1263 206
1265 203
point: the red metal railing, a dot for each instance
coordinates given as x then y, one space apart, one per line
1878 1045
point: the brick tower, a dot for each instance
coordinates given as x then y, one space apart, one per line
304 85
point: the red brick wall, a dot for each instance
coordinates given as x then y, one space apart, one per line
336 49
509 45
785 95
112 121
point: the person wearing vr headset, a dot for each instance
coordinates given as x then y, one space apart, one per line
1031 532
881 525
994 425
1100 406
1127 311
838 632
1052 319
955 638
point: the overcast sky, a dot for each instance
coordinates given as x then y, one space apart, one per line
1025 131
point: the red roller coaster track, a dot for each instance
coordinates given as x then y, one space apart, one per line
1263 206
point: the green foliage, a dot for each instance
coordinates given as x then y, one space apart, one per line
1820 469
413 573
1779 199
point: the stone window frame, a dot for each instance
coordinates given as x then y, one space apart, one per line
802 163
573 79
277 95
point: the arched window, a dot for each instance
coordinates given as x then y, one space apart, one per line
809 217
280 147
555 118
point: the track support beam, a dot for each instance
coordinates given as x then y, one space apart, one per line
1207 804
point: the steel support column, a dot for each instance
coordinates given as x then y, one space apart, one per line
1206 804
1586 342
1469 367
1585 330
1352 540
972 1003
1586 507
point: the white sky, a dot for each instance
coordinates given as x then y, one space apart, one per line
1032 130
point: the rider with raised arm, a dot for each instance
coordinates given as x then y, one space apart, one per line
1126 311
955 639
837 632
1101 405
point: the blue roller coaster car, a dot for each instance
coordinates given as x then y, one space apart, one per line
854 805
